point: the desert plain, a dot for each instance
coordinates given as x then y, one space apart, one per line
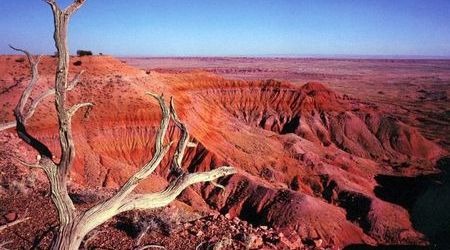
331 152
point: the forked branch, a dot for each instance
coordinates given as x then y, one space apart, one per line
74 225
125 200
160 151
73 7
22 116
33 106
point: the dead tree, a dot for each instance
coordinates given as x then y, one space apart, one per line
74 224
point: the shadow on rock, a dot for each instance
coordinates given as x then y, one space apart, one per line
426 197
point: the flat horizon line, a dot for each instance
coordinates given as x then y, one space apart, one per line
311 56
281 56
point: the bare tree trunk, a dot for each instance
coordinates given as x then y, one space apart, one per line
74 225
68 229
64 205
68 238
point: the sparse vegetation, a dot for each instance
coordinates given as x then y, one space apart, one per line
84 53
20 60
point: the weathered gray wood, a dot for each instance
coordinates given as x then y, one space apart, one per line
35 103
74 225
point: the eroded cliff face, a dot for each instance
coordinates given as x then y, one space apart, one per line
307 156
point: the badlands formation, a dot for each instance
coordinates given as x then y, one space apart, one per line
312 162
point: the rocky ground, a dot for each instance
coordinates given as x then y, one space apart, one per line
25 196
315 165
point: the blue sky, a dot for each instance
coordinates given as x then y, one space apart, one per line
236 28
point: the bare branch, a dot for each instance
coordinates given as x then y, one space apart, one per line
61 21
160 148
30 58
160 152
163 198
56 174
31 109
52 3
164 121
123 200
57 11
182 143
199 245
34 78
73 224
76 79
73 83
29 139
142 234
218 185
73 7
75 107
11 224
30 165
21 117
106 210
150 246
38 100
7 125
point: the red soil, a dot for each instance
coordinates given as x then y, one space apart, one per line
307 156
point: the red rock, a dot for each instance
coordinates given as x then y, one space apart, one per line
255 126
11 216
